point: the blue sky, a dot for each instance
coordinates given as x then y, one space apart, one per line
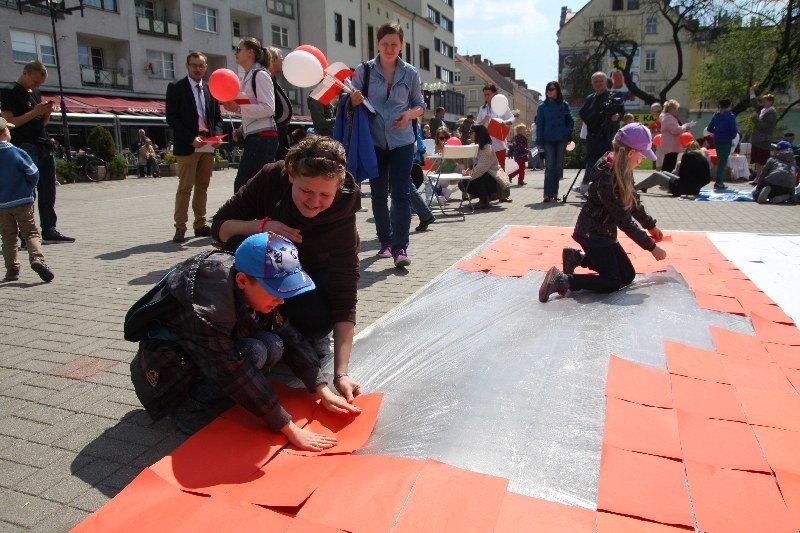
520 32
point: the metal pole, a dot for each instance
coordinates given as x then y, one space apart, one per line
64 123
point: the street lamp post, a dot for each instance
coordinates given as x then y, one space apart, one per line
55 9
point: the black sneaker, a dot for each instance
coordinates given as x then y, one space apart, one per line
41 268
54 236
12 275
571 259
423 225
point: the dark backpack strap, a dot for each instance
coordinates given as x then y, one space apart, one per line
365 88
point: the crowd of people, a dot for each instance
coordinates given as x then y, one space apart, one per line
281 284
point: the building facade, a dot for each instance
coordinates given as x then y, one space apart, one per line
117 60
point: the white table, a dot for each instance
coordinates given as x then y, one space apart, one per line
739 167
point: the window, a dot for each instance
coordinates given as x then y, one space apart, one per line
457 76
90 56
448 2
444 74
205 18
145 9
27 46
280 36
424 58
447 24
443 48
597 28
434 16
651 26
650 89
160 65
473 95
337 27
370 41
617 5
633 4
650 61
351 32
284 8
237 29
105 5
407 58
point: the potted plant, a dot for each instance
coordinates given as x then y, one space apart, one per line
219 162
169 165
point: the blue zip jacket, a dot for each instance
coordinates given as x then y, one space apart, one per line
352 130
554 122
18 176
723 126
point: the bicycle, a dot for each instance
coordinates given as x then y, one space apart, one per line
91 167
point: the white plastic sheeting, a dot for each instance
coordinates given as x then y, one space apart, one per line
478 374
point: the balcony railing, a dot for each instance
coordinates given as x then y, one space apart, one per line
154 26
110 78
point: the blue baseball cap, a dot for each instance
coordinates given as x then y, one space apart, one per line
783 145
273 260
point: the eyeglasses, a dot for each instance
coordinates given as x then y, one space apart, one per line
238 49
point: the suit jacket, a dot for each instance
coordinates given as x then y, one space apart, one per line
182 114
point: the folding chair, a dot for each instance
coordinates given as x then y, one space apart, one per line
452 152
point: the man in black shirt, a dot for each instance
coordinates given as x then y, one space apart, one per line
22 106
600 113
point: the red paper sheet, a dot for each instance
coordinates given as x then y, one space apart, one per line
376 503
615 523
148 503
225 513
734 501
770 331
785 356
738 345
637 383
723 304
351 431
298 402
286 481
446 498
794 378
639 428
694 362
789 485
541 516
712 400
645 486
212 447
773 408
720 443
780 448
757 375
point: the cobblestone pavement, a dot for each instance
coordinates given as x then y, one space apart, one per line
72 433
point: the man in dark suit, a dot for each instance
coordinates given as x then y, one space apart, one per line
194 115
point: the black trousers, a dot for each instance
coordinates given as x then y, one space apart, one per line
614 270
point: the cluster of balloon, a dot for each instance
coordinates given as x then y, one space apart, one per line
304 66
685 138
223 84
499 104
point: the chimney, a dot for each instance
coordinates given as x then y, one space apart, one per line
563 16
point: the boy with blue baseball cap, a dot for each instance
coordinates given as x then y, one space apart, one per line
209 331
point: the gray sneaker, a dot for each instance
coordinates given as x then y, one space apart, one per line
554 281
763 196
41 268
780 198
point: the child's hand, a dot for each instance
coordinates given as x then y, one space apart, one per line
335 403
659 253
306 439
656 234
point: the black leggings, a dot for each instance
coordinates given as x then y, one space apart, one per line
614 270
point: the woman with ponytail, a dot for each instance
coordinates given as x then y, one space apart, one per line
612 203
258 122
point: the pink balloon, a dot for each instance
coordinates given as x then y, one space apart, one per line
453 141
316 52
223 84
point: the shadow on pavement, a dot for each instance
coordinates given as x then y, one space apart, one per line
113 459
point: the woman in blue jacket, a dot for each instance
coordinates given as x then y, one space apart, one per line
554 125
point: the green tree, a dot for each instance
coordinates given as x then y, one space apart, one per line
101 143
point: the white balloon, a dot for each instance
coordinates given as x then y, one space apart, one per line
302 69
570 146
499 104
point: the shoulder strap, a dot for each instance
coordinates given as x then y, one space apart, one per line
253 79
365 88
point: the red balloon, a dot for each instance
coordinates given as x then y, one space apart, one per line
685 138
453 141
223 84
657 140
316 52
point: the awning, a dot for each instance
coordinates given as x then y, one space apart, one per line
76 103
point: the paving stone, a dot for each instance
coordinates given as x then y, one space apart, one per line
46 414
64 519
53 383
66 490
23 391
94 498
12 473
29 453
25 510
19 427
